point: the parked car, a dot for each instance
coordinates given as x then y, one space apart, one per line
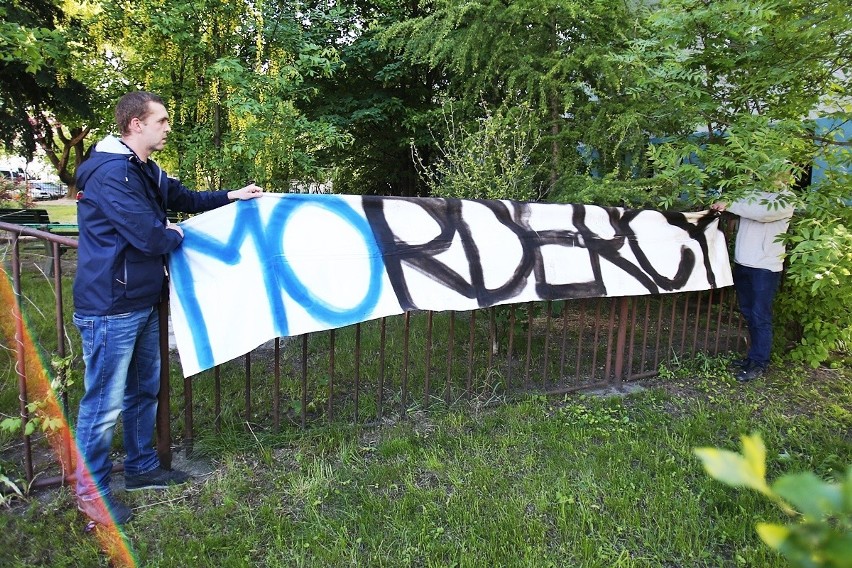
37 193
46 190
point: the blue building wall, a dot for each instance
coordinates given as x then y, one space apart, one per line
825 126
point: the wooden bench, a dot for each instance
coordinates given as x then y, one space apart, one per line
40 219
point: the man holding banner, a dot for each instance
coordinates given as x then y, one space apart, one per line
758 262
124 239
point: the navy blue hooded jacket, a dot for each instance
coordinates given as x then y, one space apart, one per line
123 237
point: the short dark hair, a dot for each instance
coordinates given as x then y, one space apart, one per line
133 105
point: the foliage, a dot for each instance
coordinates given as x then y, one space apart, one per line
36 78
41 410
230 74
37 421
822 533
376 99
13 195
271 141
545 54
492 160
604 420
736 84
749 157
608 191
814 304
8 490
745 74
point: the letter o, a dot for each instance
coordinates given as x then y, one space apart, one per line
293 286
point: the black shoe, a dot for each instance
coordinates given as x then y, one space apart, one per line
750 372
739 363
158 478
105 510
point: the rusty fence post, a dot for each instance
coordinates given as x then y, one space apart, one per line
164 431
621 341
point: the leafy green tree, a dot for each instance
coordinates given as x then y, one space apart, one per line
490 161
380 101
734 87
231 73
37 85
547 54
746 75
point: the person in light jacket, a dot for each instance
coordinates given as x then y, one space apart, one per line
125 238
758 262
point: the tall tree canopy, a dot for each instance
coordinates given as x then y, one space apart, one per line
546 54
749 76
231 74
37 85
379 101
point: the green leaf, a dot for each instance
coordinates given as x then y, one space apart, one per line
755 453
839 550
9 484
10 425
810 495
732 469
773 535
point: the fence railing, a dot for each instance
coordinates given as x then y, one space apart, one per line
363 373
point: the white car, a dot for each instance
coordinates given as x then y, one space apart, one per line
45 190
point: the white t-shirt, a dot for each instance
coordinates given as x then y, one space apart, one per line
762 219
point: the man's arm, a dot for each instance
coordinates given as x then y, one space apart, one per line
764 207
181 198
251 191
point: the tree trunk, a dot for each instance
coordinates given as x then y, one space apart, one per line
73 142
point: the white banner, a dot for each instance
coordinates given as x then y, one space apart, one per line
284 265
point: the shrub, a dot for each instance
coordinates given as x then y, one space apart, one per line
13 195
634 193
491 159
813 306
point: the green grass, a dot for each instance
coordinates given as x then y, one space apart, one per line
60 211
39 309
568 481
574 481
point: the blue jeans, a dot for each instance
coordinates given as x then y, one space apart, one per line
756 290
122 357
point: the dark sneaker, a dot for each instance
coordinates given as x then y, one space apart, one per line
106 510
158 478
750 372
739 363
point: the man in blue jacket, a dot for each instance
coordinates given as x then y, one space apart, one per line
121 275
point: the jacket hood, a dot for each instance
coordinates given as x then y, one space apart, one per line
107 150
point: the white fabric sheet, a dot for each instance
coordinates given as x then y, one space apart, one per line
284 265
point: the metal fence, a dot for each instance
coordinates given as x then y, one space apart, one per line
361 374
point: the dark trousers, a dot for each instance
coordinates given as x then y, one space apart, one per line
756 289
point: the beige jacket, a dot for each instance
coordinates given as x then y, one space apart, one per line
760 225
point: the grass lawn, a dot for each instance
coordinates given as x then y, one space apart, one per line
570 481
60 210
